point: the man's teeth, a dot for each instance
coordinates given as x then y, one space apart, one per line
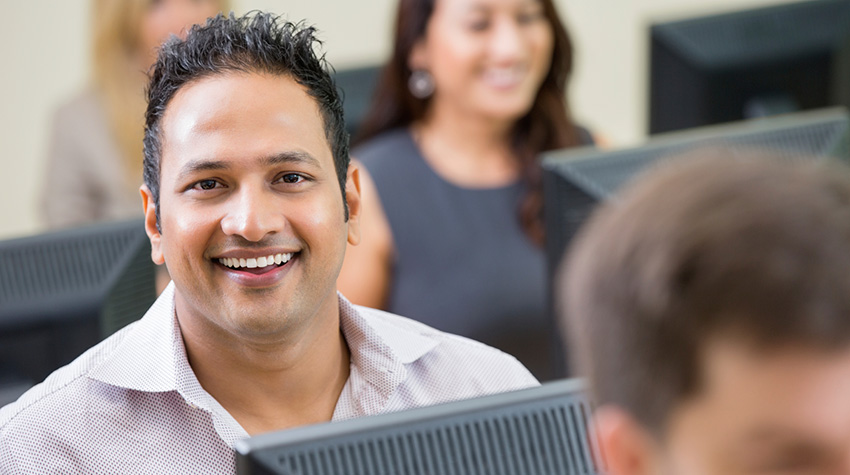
251 263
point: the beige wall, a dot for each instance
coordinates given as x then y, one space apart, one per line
43 55
45 59
609 88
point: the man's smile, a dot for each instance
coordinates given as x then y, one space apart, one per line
259 270
260 262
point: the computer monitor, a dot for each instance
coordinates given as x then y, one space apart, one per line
576 180
540 430
357 86
61 292
747 64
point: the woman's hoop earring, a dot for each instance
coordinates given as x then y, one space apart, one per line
421 84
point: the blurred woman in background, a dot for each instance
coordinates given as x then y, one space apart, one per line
94 167
452 233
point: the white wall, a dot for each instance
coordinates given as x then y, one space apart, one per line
44 57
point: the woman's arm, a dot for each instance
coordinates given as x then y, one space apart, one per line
366 273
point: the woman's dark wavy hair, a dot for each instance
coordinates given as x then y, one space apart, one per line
254 43
546 126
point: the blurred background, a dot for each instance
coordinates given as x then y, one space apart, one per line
46 59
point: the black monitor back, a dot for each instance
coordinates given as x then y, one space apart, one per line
537 431
357 86
61 292
575 181
746 64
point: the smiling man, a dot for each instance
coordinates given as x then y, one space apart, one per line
250 202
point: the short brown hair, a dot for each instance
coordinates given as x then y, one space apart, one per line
752 245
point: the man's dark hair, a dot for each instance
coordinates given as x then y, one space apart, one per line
751 248
254 43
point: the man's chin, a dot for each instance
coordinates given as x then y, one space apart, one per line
260 325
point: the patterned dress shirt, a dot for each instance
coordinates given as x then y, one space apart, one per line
132 404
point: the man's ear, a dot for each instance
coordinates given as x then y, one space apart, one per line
627 446
352 197
151 225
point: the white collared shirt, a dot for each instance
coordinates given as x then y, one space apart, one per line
132 404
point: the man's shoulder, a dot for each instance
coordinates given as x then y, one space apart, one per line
60 391
75 422
451 342
45 418
457 363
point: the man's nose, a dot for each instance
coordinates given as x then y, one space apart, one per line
253 214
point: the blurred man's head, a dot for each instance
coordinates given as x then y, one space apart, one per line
709 305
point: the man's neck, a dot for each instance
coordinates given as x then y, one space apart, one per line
272 385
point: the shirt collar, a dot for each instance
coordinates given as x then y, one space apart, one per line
377 343
380 349
151 356
143 359
397 343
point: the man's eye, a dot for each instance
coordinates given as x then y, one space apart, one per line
291 178
206 185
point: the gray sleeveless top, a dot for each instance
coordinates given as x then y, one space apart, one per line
462 262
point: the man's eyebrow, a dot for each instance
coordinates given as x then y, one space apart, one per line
200 166
293 156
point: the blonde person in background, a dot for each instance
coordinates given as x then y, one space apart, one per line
94 166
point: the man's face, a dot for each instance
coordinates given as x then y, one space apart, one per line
253 229
785 411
